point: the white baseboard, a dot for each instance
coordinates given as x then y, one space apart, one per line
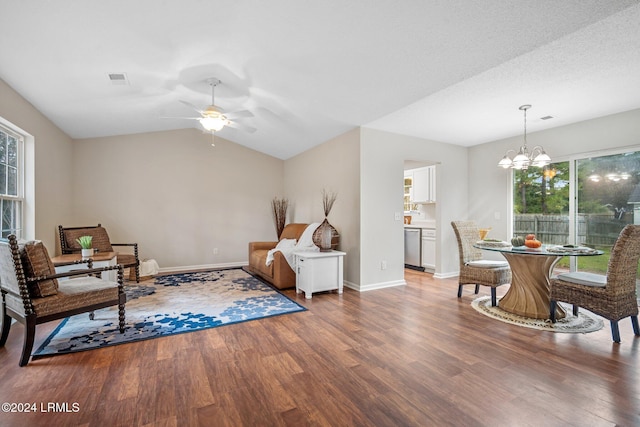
202 267
448 275
373 286
354 286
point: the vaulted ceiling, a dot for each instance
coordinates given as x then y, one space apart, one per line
454 71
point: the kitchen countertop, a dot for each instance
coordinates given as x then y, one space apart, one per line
421 224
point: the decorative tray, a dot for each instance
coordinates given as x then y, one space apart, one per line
493 243
571 249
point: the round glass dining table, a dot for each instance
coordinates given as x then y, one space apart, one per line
529 293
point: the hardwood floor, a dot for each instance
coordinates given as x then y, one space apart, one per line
406 356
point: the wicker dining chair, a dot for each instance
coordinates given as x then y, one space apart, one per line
473 269
612 296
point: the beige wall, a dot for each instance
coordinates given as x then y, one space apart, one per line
382 235
176 195
334 166
50 155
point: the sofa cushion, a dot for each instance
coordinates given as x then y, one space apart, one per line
584 278
485 263
36 263
258 261
293 231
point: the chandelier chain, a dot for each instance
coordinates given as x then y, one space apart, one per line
525 127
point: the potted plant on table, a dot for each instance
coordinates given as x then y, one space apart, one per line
85 243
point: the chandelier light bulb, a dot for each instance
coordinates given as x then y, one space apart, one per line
506 162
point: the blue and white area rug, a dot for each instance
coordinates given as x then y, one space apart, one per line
170 305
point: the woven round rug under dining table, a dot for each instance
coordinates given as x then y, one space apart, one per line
584 323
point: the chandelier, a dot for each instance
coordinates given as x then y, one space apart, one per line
523 158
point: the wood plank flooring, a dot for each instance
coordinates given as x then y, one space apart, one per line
408 356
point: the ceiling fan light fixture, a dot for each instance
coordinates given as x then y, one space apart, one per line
213 124
213 118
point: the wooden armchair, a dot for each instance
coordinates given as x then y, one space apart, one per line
32 294
101 243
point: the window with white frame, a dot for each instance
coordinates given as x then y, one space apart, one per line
11 182
586 200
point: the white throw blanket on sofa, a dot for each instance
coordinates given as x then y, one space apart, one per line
289 246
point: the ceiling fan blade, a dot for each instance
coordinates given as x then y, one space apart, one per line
241 127
190 105
183 118
239 114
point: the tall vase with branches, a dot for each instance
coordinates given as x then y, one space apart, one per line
279 209
326 237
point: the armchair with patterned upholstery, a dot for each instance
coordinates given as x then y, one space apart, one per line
101 243
32 294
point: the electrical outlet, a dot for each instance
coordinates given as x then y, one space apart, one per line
215 251
383 265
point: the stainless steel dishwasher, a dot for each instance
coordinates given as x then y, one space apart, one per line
413 248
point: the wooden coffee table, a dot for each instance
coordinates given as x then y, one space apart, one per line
64 263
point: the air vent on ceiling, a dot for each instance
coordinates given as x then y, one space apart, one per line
118 78
546 117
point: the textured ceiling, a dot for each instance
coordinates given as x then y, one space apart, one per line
453 71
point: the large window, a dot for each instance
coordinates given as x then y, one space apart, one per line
585 201
11 182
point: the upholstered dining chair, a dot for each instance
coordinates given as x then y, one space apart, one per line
102 243
473 269
612 296
32 294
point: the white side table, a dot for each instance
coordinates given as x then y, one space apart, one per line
319 271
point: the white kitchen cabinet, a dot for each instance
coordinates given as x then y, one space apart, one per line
424 185
421 185
429 249
408 190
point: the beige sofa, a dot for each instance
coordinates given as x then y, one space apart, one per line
278 273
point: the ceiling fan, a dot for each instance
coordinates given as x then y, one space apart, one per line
213 118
